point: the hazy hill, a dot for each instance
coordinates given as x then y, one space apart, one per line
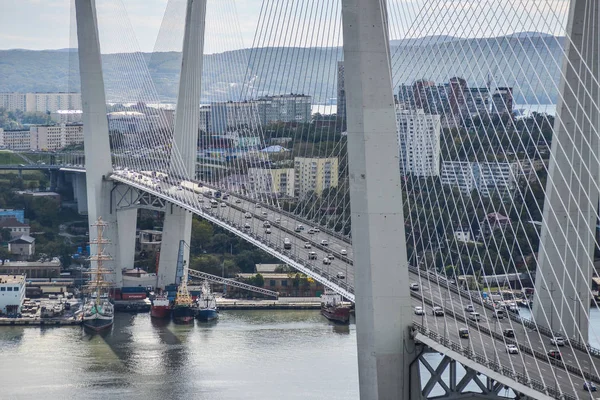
312 71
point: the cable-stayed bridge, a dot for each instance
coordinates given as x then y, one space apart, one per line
510 173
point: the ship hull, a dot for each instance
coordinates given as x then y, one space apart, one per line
340 315
160 312
207 314
183 315
97 324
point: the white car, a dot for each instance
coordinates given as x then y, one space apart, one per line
277 220
419 310
248 215
257 205
312 255
223 205
437 311
414 286
315 229
326 261
324 242
470 308
512 349
557 341
268 231
344 252
307 245
331 256
340 275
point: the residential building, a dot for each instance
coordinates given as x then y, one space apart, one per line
502 101
12 294
284 108
205 119
279 181
40 102
419 141
486 177
22 246
233 115
315 175
19 215
32 269
67 116
55 137
341 95
16 228
127 122
493 222
18 140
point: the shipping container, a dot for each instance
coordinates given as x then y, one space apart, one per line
133 296
133 289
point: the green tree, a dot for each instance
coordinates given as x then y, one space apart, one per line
5 234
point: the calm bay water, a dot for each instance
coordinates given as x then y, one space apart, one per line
245 355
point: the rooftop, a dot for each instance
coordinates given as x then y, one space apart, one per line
24 238
12 279
11 223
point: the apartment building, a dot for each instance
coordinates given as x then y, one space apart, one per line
278 181
315 175
419 141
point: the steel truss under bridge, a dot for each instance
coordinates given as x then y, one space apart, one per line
232 283
127 197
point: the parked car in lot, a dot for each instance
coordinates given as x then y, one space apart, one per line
557 341
555 354
512 349
419 310
437 311
414 286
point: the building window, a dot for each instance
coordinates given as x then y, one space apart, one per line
16 289
9 289
272 282
2 289
284 282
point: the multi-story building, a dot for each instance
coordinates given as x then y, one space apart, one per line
12 294
54 137
284 108
16 228
40 102
33 269
419 140
486 177
18 140
279 181
341 95
205 119
23 246
7 213
233 115
502 101
67 116
315 175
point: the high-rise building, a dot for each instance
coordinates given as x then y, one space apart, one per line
477 101
279 181
233 115
341 95
419 140
502 101
40 102
284 108
315 175
54 137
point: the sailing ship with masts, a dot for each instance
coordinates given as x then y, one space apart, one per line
98 311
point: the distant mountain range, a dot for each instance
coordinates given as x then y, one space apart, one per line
528 61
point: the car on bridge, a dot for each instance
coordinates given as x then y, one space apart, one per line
555 354
557 341
312 255
331 256
512 349
237 201
340 275
326 261
509 333
589 386
248 215
297 230
307 245
287 244
266 224
463 333
414 286
470 308
223 205
419 310
475 316
437 311
324 242
268 231
344 252
257 205
247 226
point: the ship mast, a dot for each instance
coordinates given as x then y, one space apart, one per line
99 272
183 297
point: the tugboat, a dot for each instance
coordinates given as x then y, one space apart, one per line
333 309
183 306
207 304
98 311
161 306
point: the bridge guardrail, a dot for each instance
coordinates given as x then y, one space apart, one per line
494 366
431 276
498 336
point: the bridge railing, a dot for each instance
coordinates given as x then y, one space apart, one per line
433 277
491 364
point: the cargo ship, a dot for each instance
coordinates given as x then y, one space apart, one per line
333 309
206 304
98 311
161 306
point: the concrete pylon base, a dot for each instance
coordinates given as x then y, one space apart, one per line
177 226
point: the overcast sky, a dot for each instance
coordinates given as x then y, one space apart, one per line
128 25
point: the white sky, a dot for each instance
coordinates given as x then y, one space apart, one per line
46 24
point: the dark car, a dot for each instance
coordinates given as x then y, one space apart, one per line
555 354
590 386
508 333
463 333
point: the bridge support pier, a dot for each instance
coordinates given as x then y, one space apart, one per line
127 221
178 222
383 304
567 240
80 193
